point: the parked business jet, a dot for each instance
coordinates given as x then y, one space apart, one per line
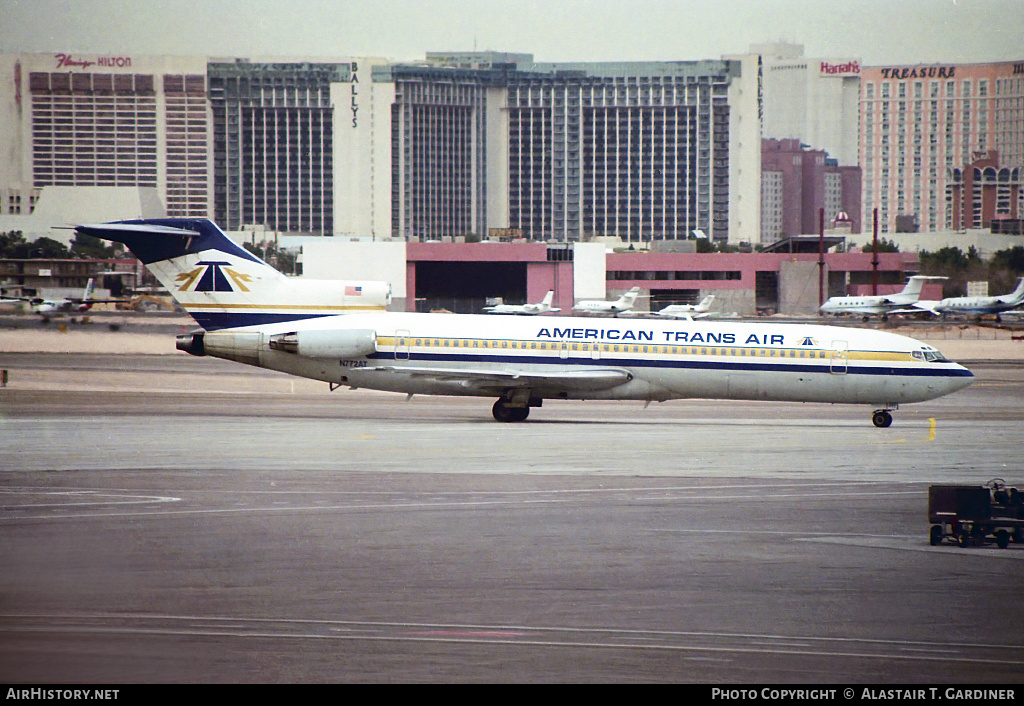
977 306
600 307
880 305
254 315
47 308
688 311
544 307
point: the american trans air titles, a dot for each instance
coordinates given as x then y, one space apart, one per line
339 333
656 336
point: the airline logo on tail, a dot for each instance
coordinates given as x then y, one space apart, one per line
213 277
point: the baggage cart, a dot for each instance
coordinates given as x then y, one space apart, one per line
973 515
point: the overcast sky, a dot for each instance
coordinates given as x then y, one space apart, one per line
878 32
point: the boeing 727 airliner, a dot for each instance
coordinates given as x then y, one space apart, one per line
252 314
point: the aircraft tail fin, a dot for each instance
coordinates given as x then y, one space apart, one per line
913 286
912 290
222 285
629 297
1017 296
87 295
548 298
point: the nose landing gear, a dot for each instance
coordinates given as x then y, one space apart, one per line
881 418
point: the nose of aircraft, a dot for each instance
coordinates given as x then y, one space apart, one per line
959 378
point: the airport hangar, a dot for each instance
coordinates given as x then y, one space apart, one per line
460 277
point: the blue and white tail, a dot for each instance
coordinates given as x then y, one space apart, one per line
222 285
1017 295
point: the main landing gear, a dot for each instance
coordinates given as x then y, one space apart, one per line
881 418
514 405
503 413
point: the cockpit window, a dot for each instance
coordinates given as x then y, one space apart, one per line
917 354
935 357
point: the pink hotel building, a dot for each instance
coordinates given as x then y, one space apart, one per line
920 123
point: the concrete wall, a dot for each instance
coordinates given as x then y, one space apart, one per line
798 287
730 301
984 241
589 271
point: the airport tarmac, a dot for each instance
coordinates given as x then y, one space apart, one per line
175 519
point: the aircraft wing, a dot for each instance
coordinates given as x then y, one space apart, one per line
498 380
926 305
910 310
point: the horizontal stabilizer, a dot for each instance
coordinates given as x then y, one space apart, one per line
153 240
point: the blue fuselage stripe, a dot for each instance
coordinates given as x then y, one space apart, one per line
823 367
215 321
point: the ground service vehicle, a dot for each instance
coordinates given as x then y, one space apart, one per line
972 515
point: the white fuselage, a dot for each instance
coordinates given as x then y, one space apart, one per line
981 305
521 310
454 354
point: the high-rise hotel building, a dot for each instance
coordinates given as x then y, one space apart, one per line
642 151
458 144
921 124
272 141
83 120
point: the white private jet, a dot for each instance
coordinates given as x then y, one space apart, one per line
977 306
882 304
600 307
544 307
688 311
252 314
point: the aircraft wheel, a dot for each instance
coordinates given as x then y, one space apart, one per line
504 413
1002 539
881 418
936 535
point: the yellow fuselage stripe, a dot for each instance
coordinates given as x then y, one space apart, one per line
650 349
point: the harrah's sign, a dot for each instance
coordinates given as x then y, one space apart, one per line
67 61
850 68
